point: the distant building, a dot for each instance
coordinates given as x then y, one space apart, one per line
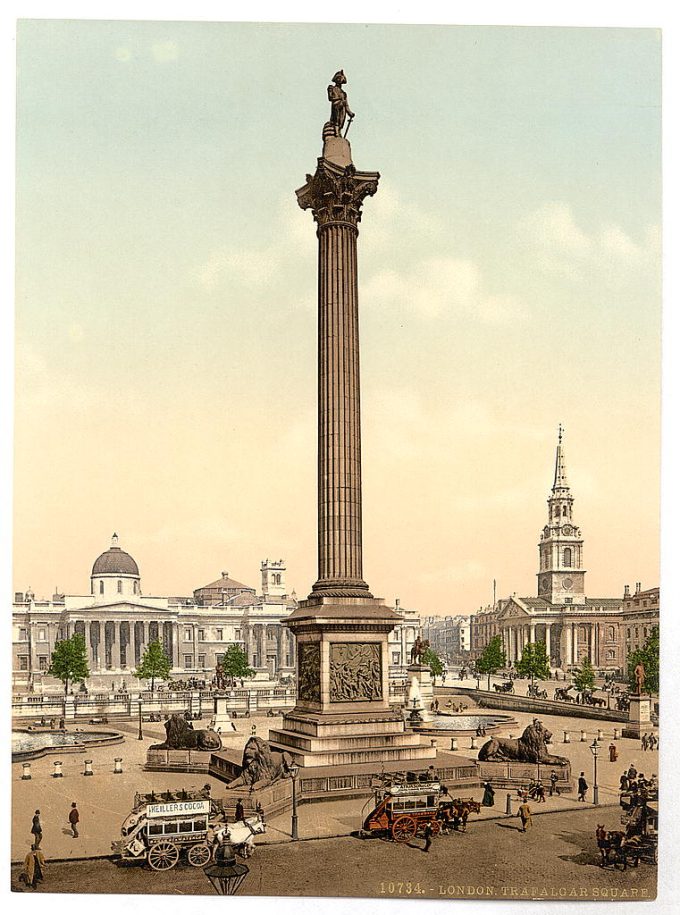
640 615
572 625
449 637
118 621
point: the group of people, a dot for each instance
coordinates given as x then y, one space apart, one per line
535 790
637 786
34 862
455 706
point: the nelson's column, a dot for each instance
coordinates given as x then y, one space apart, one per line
342 715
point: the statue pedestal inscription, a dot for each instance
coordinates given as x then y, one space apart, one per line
639 717
221 720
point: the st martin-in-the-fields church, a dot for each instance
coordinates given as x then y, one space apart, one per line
572 625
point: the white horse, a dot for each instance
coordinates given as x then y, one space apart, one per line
242 834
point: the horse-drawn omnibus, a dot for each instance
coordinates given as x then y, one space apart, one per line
407 808
161 830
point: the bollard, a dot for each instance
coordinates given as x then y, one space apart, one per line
617 733
433 743
567 738
600 734
118 765
57 769
473 743
508 804
88 767
454 744
584 736
26 774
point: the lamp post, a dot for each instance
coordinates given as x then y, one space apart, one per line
225 874
294 819
595 750
140 736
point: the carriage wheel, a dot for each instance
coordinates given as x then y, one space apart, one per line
404 828
199 855
163 856
436 827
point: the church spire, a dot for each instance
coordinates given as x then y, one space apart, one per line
560 481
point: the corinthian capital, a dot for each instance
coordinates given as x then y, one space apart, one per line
335 194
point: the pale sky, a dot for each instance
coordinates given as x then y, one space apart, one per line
166 296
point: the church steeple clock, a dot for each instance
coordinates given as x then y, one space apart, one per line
561 573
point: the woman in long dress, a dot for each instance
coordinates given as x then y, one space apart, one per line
488 799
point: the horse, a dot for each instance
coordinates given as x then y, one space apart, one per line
562 694
242 834
618 844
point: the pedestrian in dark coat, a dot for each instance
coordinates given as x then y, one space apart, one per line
427 833
36 829
553 783
74 819
582 787
488 799
240 812
613 753
34 864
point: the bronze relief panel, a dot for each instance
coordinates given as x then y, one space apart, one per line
309 671
355 671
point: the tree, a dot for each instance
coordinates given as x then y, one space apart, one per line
648 656
432 660
235 663
154 663
69 661
534 662
584 676
491 659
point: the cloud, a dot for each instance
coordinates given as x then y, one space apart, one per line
122 54
435 287
557 244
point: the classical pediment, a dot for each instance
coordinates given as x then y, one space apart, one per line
514 609
117 607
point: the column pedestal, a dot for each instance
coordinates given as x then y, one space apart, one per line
639 717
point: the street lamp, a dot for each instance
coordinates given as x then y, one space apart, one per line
595 750
140 736
225 874
294 819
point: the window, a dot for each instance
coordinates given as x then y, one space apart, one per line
610 654
42 662
155 829
237 635
187 635
610 633
23 662
187 660
395 657
186 826
220 635
567 557
135 587
568 600
201 635
201 660
101 587
637 633
42 635
564 511
23 635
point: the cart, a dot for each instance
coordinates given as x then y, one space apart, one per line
405 811
160 832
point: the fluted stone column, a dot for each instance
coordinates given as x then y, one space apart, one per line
335 195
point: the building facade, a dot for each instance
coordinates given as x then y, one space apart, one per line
640 615
118 621
449 637
572 625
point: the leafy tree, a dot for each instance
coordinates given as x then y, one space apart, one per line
648 655
491 659
534 662
432 660
584 676
154 663
235 663
69 661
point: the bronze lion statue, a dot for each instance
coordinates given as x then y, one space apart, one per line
261 765
180 735
531 747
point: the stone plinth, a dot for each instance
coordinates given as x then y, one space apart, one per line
221 719
509 774
421 689
337 151
639 717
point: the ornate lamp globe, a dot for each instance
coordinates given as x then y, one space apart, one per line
226 875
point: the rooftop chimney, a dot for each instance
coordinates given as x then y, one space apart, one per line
638 587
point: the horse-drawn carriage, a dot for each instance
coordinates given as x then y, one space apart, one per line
161 830
407 808
637 841
508 687
534 691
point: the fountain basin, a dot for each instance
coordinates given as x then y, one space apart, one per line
466 724
32 744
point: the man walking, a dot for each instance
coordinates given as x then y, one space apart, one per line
240 812
524 813
553 784
36 829
74 819
427 832
34 864
582 787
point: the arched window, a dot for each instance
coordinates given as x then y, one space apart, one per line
567 557
557 511
610 633
564 510
101 587
120 586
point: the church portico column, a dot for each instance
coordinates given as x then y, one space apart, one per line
547 641
532 637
